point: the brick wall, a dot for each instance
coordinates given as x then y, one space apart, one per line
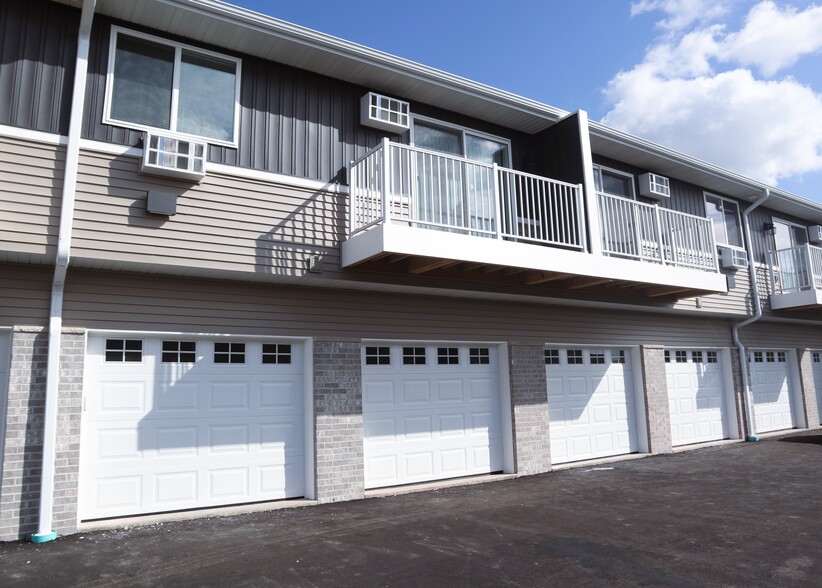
338 420
20 487
808 389
529 409
657 411
739 393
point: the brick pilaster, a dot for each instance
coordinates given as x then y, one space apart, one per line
338 422
657 410
808 388
529 409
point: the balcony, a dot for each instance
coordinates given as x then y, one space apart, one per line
416 211
796 278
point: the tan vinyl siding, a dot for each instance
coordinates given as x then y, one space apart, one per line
225 223
136 302
31 177
786 335
25 291
737 300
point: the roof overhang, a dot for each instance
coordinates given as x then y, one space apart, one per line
238 29
610 142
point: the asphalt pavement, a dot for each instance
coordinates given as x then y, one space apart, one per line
742 514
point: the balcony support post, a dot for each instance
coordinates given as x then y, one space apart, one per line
591 200
386 178
658 221
497 202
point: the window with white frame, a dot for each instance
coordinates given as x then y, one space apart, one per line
154 84
724 215
614 182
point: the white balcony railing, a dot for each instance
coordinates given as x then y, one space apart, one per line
796 269
448 193
423 188
649 233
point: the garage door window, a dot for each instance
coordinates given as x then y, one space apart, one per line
618 356
377 356
681 356
279 353
229 353
711 355
413 355
479 356
817 357
124 350
179 352
597 357
757 357
552 357
448 356
575 357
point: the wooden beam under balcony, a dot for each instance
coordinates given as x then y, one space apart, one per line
580 283
422 265
664 291
543 277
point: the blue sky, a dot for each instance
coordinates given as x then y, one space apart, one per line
737 83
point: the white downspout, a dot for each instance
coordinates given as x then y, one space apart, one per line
743 357
44 531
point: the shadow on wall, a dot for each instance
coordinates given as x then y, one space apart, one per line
315 227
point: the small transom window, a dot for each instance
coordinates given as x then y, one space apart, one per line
277 353
229 353
448 356
597 357
179 351
377 356
479 356
124 350
413 355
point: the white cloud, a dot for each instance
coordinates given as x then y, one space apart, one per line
682 13
773 38
694 90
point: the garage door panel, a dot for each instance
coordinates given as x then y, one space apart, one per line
232 431
773 405
590 404
696 396
445 422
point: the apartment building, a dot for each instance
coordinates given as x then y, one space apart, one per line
242 261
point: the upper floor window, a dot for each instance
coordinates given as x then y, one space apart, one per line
724 215
611 181
153 84
461 142
787 234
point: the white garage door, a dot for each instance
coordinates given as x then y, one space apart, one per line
430 412
177 422
770 385
591 404
696 396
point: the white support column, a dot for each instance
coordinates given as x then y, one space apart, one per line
590 197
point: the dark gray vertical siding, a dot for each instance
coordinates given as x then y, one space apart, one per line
685 197
558 151
38 44
292 121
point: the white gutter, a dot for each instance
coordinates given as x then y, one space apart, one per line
44 531
743 357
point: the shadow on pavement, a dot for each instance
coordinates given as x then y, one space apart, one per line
809 439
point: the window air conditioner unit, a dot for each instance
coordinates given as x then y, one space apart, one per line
169 156
654 186
382 112
732 259
815 234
